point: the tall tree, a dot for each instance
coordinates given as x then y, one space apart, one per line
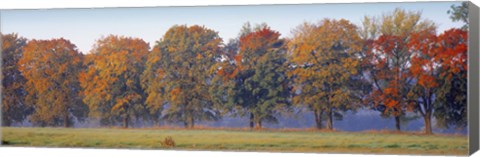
254 77
424 69
454 112
388 57
439 68
111 82
14 108
51 69
153 85
326 60
454 50
460 13
179 72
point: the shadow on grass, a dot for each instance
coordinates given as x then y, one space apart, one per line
392 146
5 142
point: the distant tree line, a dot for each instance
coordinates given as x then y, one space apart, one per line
395 63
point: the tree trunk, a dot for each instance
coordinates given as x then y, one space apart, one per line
66 120
329 119
158 122
258 125
155 122
192 122
252 123
397 123
318 118
186 118
428 122
125 121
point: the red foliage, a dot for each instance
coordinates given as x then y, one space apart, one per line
260 39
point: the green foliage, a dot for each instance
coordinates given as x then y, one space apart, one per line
253 80
14 108
454 108
179 72
460 13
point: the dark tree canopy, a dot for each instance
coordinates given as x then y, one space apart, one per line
254 79
14 108
179 72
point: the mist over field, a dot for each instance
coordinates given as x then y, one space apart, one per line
362 120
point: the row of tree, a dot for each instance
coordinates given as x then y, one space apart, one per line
395 64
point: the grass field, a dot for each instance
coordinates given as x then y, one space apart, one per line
239 140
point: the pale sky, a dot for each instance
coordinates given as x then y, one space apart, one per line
83 26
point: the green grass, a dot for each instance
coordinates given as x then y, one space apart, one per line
239 140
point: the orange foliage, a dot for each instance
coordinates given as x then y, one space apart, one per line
111 79
174 92
51 68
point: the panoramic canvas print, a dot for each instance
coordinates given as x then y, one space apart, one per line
379 78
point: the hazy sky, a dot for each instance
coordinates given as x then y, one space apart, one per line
83 26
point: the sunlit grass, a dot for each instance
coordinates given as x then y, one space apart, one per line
239 140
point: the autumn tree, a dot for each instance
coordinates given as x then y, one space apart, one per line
51 69
424 69
14 108
326 61
111 82
439 68
179 72
254 77
454 112
453 45
388 58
